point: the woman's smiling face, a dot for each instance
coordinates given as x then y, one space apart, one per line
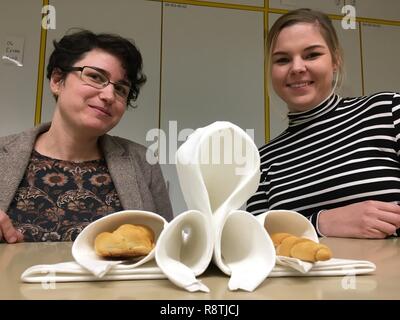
302 66
85 108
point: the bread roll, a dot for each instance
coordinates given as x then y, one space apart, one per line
301 248
127 241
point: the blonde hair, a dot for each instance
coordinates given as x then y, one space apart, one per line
326 28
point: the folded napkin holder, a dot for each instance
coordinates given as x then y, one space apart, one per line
292 222
83 246
289 222
184 249
88 266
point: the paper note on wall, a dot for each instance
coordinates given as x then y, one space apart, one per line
13 51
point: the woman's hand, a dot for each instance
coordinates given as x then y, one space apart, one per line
368 219
7 231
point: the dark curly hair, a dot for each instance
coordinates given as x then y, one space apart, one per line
73 46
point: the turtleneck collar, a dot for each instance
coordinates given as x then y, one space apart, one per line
298 118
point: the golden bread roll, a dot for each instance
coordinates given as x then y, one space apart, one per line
301 248
127 241
311 251
278 237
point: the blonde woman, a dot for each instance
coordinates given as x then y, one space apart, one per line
337 163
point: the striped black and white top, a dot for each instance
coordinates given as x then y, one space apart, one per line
343 151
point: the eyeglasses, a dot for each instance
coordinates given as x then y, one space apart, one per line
97 78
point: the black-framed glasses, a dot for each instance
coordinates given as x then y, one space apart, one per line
97 78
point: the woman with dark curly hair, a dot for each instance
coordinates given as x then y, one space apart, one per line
60 176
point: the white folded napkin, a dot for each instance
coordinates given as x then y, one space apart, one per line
88 266
184 249
73 272
287 221
243 250
83 246
294 263
218 169
332 267
294 223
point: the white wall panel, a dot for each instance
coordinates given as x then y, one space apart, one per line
381 57
327 6
212 69
383 9
257 3
20 19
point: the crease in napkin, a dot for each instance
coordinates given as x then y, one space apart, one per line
244 251
184 249
294 263
73 272
332 267
218 168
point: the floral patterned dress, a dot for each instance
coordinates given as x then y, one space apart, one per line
57 199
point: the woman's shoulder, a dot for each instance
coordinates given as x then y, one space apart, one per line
136 150
274 144
126 143
10 138
381 95
115 142
374 99
29 134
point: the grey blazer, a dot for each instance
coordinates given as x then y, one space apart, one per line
139 184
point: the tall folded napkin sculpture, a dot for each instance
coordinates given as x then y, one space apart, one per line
219 169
